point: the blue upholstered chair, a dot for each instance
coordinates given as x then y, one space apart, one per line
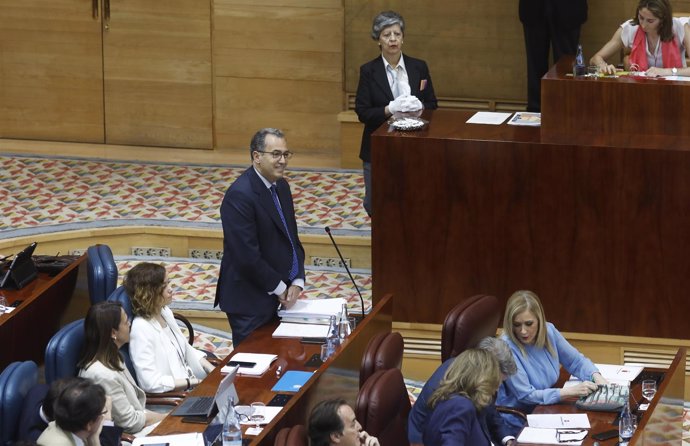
64 351
15 382
101 272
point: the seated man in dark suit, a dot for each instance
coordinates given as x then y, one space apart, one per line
492 420
333 422
79 411
263 258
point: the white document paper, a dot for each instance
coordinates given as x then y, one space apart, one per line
615 374
287 330
270 413
533 435
263 362
677 78
193 439
559 421
492 118
315 308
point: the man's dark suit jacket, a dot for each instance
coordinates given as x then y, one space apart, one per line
566 13
374 94
256 249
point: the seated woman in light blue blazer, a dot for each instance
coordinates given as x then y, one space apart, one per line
539 350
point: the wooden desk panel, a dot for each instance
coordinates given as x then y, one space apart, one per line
599 233
25 332
337 377
619 112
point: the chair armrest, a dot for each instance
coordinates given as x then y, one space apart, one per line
127 437
173 394
187 324
510 410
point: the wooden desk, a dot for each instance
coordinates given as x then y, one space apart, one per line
661 424
25 332
618 112
338 377
599 233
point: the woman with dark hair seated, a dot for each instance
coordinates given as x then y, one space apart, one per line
162 358
107 330
468 386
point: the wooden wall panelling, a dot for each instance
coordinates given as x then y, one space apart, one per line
157 73
278 64
51 71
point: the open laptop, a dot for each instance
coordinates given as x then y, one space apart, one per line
205 406
21 271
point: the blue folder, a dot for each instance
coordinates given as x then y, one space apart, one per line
292 381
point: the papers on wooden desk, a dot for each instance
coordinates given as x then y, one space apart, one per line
193 439
559 421
314 308
534 435
615 374
289 330
491 118
526 118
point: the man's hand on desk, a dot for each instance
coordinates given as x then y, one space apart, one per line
289 297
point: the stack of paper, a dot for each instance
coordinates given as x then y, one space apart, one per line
193 439
291 330
312 310
615 374
567 428
263 362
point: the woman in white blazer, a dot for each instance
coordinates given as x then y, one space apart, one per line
162 358
107 329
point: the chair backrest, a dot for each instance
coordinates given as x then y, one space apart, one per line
64 351
101 272
120 296
466 324
384 351
383 406
15 382
292 436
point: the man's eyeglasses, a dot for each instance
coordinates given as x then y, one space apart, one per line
277 154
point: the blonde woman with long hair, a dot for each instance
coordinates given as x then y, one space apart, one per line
539 350
468 386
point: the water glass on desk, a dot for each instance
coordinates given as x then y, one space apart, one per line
3 304
648 389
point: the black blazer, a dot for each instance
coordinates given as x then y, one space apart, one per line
565 13
374 94
256 249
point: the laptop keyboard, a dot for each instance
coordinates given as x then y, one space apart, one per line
201 405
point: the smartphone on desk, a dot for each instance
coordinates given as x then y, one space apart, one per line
606 435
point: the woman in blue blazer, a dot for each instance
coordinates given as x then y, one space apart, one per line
391 83
466 389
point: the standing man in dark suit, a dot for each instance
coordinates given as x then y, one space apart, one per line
548 22
263 258
391 83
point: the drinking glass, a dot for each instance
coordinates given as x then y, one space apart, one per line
344 328
3 304
648 389
258 414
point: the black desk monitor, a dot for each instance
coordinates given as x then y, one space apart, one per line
21 271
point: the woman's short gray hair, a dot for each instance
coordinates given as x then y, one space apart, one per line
384 20
502 352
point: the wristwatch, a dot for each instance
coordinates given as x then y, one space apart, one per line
674 70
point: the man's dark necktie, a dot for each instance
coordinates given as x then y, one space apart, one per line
294 269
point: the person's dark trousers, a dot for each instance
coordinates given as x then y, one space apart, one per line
538 39
242 325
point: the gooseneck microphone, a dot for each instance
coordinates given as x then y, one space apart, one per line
361 299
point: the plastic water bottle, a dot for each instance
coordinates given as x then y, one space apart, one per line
579 68
332 341
626 425
232 432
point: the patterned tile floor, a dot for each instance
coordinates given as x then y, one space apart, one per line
53 194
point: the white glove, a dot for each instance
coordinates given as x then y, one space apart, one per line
411 104
396 105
